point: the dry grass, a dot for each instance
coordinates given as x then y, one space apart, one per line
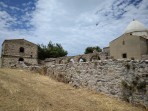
23 91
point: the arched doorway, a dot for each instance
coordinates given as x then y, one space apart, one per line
21 59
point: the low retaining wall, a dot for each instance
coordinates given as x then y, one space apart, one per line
127 80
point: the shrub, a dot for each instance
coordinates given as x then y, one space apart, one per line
42 71
141 85
62 78
127 66
127 86
134 82
124 84
125 97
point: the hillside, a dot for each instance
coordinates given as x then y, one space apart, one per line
21 90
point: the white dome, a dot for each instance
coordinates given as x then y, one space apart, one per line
135 26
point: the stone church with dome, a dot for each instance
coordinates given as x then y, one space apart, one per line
133 44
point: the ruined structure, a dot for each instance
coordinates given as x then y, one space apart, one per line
132 44
123 79
18 51
95 56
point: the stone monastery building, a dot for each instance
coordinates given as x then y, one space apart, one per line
132 44
16 51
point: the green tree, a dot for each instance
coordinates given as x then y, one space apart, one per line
51 51
91 49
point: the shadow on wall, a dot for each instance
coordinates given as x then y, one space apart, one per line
81 59
94 58
61 61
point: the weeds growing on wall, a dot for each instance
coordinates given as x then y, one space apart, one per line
43 71
130 87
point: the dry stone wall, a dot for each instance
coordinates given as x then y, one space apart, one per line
127 80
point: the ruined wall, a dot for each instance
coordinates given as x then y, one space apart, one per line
12 48
8 61
126 80
17 50
144 57
76 59
106 50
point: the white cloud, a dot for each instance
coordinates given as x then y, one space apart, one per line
76 24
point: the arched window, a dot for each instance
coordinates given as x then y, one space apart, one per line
21 49
21 59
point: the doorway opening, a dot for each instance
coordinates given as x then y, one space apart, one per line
21 59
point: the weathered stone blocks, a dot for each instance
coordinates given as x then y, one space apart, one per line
115 78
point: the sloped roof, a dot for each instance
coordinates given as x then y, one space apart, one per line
9 40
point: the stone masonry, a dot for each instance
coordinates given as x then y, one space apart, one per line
18 51
76 59
127 80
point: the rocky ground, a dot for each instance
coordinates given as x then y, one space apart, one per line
26 91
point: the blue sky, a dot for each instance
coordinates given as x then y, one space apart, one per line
76 24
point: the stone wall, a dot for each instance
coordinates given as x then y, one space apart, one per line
128 46
19 50
12 48
76 59
9 62
144 57
127 80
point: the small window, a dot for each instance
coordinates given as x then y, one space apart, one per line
123 42
124 55
21 49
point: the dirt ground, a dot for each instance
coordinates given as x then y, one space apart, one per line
25 91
